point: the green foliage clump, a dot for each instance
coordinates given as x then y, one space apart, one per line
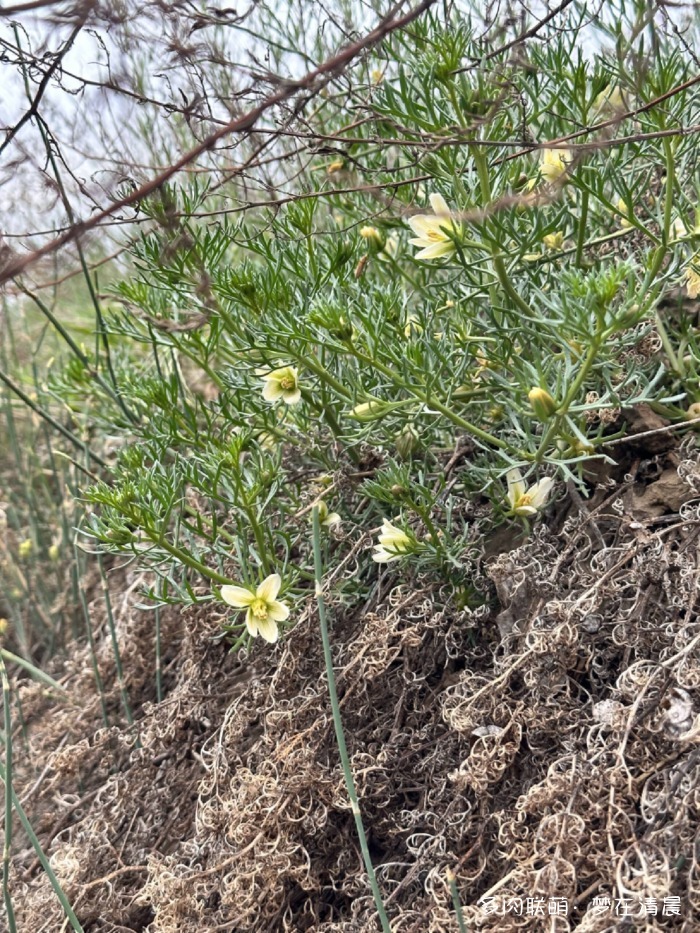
435 330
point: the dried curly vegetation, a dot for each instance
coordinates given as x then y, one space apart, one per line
544 744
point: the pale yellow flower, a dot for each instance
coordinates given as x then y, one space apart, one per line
435 232
282 384
554 241
375 239
554 163
609 102
337 166
691 277
393 544
25 549
525 501
264 609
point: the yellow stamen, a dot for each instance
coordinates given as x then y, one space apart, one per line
259 609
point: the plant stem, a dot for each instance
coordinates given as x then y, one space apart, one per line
7 845
338 724
553 427
456 901
432 402
499 268
581 239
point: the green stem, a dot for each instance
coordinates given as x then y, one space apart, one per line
7 845
456 901
662 251
499 268
310 362
34 672
52 421
187 559
115 645
258 533
43 861
432 402
338 724
553 427
583 220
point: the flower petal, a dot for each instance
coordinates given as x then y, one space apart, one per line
539 493
423 224
251 623
436 250
516 486
278 374
272 391
439 205
237 596
277 611
269 588
268 629
292 397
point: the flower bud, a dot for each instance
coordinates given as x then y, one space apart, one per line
375 239
341 330
543 405
406 442
373 410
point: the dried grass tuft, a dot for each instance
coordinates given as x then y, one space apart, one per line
543 745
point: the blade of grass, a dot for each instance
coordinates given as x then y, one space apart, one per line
338 724
33 671
43 860
7 846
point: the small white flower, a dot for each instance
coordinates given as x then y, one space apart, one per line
264 609
393 544
435 232
527 501
282 384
